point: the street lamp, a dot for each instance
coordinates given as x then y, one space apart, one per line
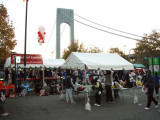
131 56
124 49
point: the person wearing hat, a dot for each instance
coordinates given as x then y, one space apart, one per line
99 90
149 83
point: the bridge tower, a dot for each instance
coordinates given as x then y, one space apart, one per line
64 16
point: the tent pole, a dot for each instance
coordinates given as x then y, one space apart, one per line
43 75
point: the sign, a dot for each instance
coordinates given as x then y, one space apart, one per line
156 68
18 59
156 65
30 58
155 61
150 64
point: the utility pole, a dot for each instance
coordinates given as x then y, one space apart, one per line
25 40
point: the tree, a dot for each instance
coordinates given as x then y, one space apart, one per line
7 35
75 47
148 46
119 52
94 49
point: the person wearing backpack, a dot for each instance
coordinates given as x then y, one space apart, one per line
99 90
149 83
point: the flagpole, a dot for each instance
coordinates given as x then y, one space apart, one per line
25 41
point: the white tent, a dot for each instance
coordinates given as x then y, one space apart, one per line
46 63
53 63
8 62
97 60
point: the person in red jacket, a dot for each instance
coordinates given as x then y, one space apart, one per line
2 88
2 99
11 90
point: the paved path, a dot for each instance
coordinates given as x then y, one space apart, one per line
51 108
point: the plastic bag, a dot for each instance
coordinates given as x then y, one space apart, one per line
88 107
62 96
135 99
144 89
99 93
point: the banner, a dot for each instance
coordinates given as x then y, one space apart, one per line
150 65
30 58
156 65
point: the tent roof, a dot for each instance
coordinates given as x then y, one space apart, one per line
53 62
97 60
139 66
8 62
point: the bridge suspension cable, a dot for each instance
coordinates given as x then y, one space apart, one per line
102 29
63 30
50 36
108 27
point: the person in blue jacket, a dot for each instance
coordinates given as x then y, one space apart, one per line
25 87
156 78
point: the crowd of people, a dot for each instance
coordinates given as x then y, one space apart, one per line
69 78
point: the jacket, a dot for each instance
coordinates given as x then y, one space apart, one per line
68 83
150 83
108 81
10 87
98 87
2 87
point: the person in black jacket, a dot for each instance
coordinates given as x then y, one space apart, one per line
99 90
127 80
19 89
69 86
149 83
108 84
115 79
13 75
38 88
6 74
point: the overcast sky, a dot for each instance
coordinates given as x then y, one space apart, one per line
133 16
